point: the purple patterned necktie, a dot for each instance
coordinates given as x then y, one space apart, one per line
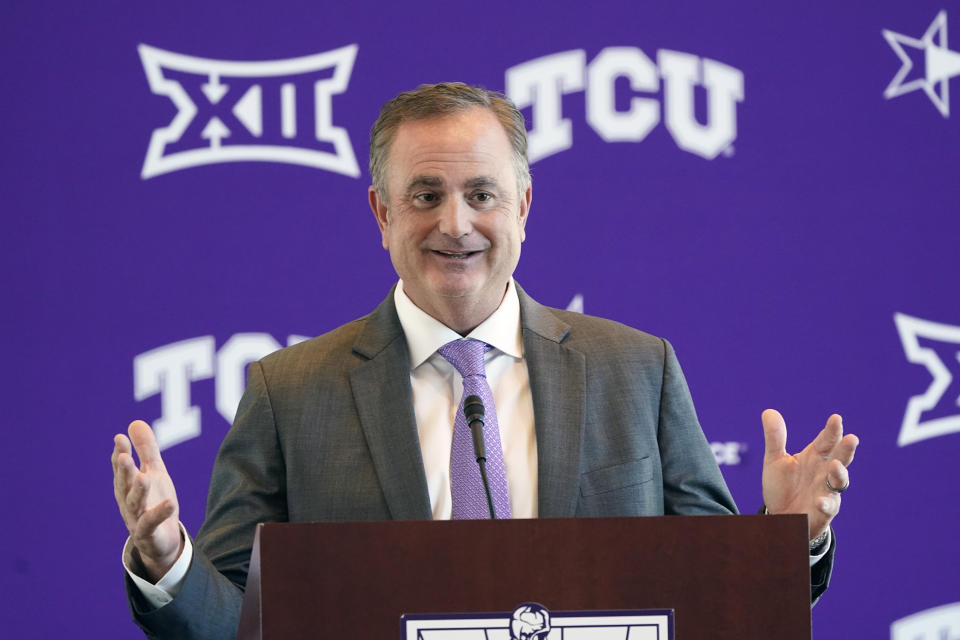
466 487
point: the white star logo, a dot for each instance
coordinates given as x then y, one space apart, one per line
940 64
917 336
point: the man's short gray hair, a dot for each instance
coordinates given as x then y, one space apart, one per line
445 98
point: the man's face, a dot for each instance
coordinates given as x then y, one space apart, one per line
453 218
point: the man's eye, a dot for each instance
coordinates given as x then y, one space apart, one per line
425 197
482 196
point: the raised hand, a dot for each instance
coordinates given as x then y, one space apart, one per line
810 481
147 499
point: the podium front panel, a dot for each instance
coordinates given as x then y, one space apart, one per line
723 576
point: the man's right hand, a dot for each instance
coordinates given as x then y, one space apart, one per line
147 500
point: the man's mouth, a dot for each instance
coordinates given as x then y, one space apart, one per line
458 255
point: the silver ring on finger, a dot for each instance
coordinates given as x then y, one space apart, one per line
836 489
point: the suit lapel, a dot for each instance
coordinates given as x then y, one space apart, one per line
558 386
382 396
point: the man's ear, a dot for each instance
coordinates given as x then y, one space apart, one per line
379 207
525 211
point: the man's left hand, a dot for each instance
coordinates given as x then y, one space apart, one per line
811 481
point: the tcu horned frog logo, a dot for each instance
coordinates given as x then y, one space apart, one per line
229 111
532 621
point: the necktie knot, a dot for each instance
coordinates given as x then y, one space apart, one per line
466 356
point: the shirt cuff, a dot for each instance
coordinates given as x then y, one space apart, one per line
814 559
167 588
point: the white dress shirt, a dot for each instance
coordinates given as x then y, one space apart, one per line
437 388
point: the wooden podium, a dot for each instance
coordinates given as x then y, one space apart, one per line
736 577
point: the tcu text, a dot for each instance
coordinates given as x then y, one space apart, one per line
541 84
169 370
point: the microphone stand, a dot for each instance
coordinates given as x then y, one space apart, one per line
474 411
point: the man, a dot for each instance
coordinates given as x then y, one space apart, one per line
594 417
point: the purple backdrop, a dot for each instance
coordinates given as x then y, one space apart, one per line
766 186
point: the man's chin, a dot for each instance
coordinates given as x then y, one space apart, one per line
469 291
459 290
453 292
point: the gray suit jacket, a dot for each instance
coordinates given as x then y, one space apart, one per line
326 431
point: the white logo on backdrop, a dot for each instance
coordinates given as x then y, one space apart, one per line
728 453
171 369
227 111
940 64
939 623
911 330
541 84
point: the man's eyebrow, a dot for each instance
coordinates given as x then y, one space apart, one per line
481 182
423 181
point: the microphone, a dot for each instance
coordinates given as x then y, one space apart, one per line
473 411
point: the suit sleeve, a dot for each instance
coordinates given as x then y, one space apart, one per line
820 573
248 486
692 482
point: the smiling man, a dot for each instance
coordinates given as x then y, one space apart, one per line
452 210
586 417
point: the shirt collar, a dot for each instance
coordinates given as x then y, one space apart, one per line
425 334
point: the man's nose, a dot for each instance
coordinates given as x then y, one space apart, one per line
456 218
